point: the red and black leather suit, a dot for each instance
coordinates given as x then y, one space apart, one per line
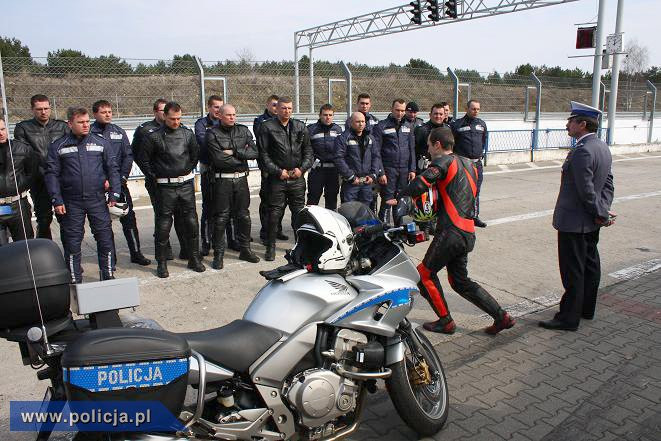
455 178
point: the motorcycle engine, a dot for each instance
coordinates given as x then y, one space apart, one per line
321 396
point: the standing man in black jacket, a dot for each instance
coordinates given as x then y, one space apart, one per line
230 147
286 154
139 135
15 210
270 112
323 177
169 156
411 115
470 134
421 133
39 132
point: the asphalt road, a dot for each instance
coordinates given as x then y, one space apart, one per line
515 259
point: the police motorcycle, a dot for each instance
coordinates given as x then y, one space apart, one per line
313 342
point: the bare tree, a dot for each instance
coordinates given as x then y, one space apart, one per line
245 55
634 65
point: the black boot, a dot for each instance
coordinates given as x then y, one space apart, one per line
162 269
43 231
270 252
248 255
194 261
133 241
217 260
168 252
282 236
206 247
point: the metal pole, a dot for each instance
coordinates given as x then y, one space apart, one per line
538 114
200 69
650 128
349 80
615 78
455 78
297 92
596 69
526 103
311 82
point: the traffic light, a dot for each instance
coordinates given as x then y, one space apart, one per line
451 8
433 8
416 12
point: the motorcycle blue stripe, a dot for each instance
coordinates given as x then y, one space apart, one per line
397 298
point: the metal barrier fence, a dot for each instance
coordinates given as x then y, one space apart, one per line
525 140
132 85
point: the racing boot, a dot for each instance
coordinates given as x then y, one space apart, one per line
505 322
194 262
162 269
206 248
282 236
444 325
133 241
479 222
269 256
217 259
248 255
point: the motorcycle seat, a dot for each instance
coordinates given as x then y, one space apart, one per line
236 345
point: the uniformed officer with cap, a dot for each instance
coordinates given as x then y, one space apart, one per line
583 207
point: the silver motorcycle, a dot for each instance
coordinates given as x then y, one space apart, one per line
298 365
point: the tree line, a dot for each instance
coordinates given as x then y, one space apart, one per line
62 61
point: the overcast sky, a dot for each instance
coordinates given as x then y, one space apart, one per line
217 30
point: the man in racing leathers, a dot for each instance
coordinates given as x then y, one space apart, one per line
454 177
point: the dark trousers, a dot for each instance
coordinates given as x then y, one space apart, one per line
206 218
398 179
323 180
282 193
179 227
361 193
43 208
450 249
177 200
231 198
129 224
580 271
264 205
72 232
12 222
480 176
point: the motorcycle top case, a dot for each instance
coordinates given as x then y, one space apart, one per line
18 303
127 364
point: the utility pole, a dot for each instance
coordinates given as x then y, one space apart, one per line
596 69
615 77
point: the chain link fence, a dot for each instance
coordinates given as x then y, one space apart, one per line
132 85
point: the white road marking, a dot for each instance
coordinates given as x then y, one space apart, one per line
537 214
636 271
532 165
539 167
503 167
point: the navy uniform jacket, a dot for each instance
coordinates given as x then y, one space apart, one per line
370 122
586 187
322 138
121 147
78 168
351 162
395 143
470 137
201 126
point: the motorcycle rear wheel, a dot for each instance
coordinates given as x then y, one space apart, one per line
418 388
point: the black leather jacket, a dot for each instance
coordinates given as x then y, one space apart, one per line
456 177
26 162
421 134
39 136
139 136
284 148
236 138
168 153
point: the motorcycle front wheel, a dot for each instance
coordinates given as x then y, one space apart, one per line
418 387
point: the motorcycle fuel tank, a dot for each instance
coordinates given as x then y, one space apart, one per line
289 305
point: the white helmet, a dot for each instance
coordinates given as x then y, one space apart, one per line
324 240
121 207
